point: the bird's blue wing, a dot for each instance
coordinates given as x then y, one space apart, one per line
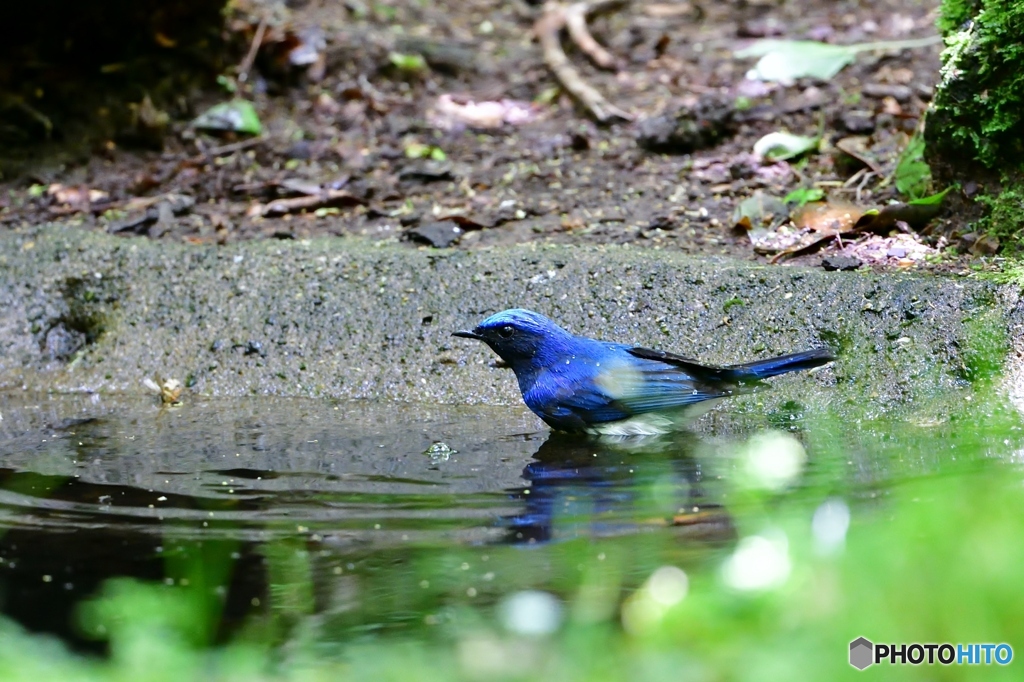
645 386
571 403
586 393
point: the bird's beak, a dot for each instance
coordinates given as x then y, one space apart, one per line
468 334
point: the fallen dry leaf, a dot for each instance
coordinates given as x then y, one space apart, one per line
891 106
808 227
858 147
75 196
827 218
901 250
329 198
760 211
665 10
448 113
817 222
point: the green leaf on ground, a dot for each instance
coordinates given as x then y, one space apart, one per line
914 214
780 146
804 195
410 63
238 116
784 61
933 200
228 83
418 150
913 176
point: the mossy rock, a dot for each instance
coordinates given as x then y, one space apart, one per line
979 103
975 128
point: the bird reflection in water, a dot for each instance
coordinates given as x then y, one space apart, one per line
601 487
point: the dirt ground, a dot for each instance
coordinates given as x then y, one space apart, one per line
366 148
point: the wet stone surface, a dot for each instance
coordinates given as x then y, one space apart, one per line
349 319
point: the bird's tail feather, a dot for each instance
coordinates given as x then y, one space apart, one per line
763 369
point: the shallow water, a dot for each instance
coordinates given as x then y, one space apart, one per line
363 518
266 464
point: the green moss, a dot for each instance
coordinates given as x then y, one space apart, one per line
975 127
955 13
1005 219
986 348
979 103
1011 273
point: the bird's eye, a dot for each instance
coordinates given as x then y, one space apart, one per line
506 332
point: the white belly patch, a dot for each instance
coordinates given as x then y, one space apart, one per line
640 425
651 423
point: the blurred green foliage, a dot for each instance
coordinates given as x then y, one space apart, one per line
1005 219
913 176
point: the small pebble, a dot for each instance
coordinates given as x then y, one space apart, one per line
832 263
900 93
859 122
437 234
440 452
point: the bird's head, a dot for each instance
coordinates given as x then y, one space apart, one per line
517 335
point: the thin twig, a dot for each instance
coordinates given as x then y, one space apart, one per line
38 116
576 25
250 57
331 197
235 146
855 178
548 26
863 183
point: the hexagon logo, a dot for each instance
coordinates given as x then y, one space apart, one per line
861 653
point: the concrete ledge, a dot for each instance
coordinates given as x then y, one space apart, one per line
343 318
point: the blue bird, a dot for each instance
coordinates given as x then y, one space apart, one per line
575 383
